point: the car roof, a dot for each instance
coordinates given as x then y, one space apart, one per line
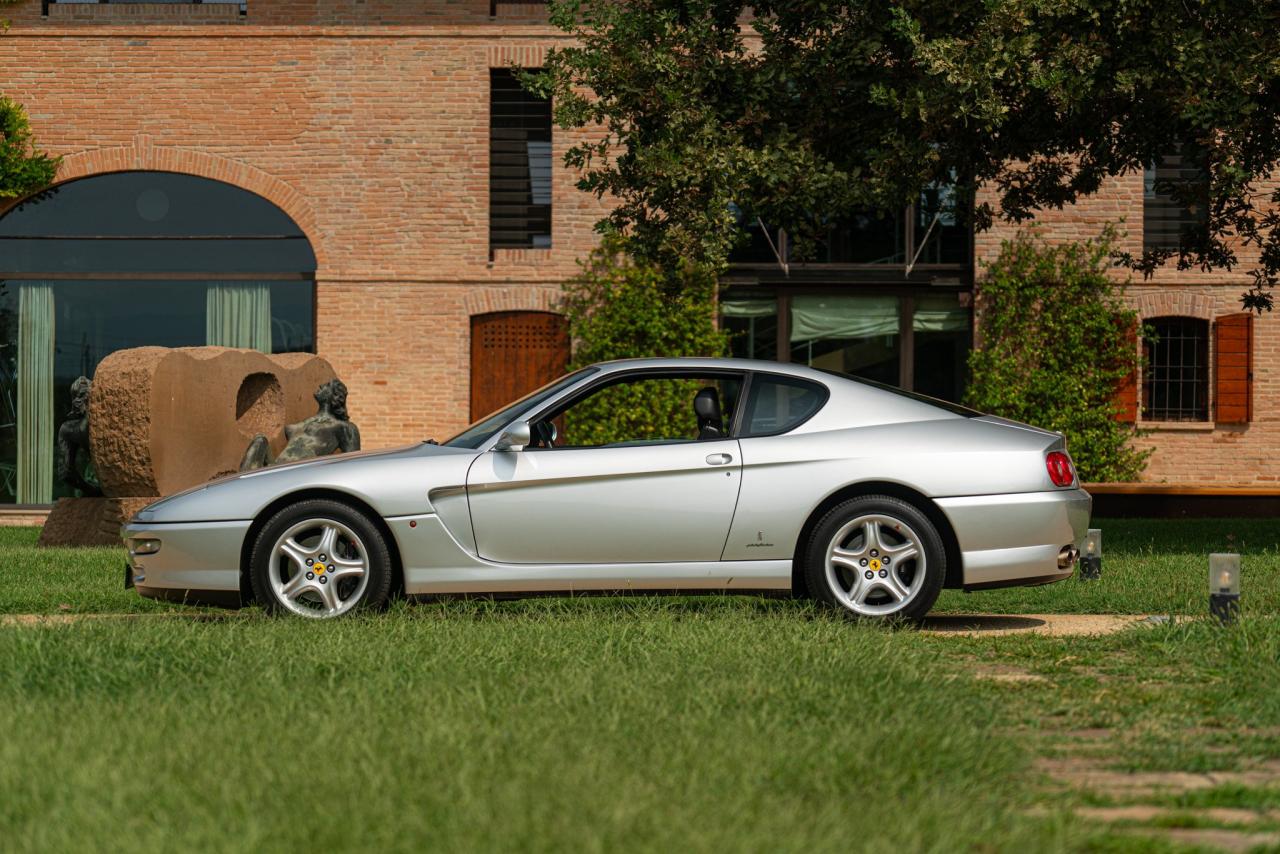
708 362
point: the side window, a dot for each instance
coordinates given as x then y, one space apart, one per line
642 411
775 404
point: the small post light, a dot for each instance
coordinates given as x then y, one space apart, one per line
1091 560
1224 586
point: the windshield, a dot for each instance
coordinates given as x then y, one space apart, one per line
481 431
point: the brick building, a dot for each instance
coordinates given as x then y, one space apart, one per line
363 178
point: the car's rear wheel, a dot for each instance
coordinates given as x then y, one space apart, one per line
876 557
321 559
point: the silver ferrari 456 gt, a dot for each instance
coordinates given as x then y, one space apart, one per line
643 475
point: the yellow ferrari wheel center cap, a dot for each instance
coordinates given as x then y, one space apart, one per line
320 568
875 564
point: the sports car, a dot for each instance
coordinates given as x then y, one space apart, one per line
671 475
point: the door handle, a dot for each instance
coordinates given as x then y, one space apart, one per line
719 459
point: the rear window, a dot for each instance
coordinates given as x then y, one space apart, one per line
953 408
777 404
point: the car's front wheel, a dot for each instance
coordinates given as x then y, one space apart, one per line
878 557
320 558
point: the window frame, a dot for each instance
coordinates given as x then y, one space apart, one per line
1187 222
574 396
1204 381
782 294
494 248
919 271
124 274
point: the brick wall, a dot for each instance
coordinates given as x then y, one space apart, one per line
374 138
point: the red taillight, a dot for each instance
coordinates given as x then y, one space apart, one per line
1060 470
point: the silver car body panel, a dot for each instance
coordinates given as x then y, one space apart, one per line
440 564
597 505
658 516
193 555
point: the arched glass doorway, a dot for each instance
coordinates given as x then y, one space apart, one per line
131 259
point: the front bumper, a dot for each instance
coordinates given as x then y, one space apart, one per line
1013 539
198 562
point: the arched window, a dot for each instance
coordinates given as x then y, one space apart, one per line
1176 385
126 260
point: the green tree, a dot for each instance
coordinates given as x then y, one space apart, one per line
813 110
23 169
1055 342
621 308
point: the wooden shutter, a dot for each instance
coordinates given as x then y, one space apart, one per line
1126 396
1233 368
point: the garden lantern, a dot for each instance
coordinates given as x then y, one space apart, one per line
1091 560
1224 586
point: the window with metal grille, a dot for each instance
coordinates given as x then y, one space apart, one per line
519 165
1175 200
1176 383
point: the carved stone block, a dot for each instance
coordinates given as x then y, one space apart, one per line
162 420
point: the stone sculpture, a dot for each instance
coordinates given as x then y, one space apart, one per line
165 420
168 419
73 441
328 431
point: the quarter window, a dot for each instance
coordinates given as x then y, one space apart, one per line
777 404
1176 386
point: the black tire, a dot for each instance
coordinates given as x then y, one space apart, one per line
933 568
377 555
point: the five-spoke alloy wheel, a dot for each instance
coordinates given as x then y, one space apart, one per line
320 558
876 556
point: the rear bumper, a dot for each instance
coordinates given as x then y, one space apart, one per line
1007 540
198 562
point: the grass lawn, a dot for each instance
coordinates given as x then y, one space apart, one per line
706 723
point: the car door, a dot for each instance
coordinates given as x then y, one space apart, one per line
647 504
659 495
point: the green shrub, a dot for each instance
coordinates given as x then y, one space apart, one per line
1055 343
23 169
618 308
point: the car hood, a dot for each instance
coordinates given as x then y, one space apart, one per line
391 482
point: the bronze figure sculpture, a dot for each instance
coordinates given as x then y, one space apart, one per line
73 442
328 431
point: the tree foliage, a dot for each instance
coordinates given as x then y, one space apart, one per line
23 169
620 308
812 110
1055 344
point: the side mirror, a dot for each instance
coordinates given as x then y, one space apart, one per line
515 437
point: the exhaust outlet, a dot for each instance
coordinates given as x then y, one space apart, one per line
1067 556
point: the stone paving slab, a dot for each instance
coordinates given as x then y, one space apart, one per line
971 625
1052 625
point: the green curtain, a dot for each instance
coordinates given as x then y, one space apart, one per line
36 429
814 318
939 313
748 307
238 314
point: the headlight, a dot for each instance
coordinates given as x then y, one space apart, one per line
144 547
